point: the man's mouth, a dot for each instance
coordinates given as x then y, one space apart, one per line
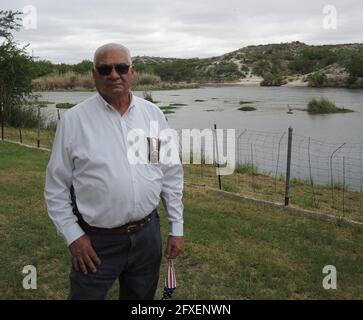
115 84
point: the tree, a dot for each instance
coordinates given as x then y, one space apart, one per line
16 71
317 79
83 67
42 68
355 65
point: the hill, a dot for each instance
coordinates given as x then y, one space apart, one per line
273 64
293 63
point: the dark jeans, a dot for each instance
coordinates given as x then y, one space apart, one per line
134 259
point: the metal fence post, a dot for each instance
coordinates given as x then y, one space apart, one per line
288 167
219 176
331 172
38 131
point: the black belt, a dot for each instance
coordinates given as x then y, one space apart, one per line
128 228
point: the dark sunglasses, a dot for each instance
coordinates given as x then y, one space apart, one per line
106 69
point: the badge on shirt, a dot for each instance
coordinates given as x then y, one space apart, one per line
153 149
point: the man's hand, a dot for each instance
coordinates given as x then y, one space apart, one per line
83 255
174 246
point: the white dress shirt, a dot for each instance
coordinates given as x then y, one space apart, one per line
90 151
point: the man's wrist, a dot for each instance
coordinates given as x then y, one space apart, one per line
176 229
72 233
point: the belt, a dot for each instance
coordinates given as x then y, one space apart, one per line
128 228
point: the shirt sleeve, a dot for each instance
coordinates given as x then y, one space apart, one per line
172 187
58 182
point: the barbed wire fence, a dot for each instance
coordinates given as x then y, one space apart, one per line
315 174
41 135
324 176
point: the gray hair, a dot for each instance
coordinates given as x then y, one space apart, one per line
111 46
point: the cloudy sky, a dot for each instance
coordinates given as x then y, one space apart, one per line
70 31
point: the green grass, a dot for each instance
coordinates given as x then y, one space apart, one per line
249 182
168 109
246 102
65 105
178 104
247 109
29 136
233 250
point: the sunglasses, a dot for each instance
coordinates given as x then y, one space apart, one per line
106 69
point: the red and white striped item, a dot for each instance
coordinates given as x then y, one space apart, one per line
170 279
170 282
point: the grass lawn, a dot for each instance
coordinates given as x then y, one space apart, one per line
29 136
232 250
346 203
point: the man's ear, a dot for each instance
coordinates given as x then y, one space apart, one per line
93 73
133 72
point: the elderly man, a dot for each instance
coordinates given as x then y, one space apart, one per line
102 202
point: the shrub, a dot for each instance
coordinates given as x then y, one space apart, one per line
317 79
323 105
271 80
145 78
247 108
65 105
355 65
148 96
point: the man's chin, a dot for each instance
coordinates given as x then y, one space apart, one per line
116 89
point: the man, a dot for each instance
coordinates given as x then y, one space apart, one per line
112 230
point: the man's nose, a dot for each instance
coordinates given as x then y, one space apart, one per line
114 74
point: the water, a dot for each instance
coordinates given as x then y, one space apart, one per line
221 107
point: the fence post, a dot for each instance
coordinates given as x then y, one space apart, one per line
219 176
288 167
278 159
311 176
20 136
2 120
238 156
252 171
331 172
38 131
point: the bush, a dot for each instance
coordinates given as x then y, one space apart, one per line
246 108
355 65
323 105
148 96
271 80
68 80
145 78
317 79
65 105
21 116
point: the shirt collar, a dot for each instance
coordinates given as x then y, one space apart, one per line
106 104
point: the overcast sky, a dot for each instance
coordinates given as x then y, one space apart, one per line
70 31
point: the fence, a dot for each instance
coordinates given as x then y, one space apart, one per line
311 174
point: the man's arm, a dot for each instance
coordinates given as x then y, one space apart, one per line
171 195
57 185
57 195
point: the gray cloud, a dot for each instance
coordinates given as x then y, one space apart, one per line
69 31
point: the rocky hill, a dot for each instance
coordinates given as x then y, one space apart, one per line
273 64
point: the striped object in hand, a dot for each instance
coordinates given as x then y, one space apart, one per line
170 282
